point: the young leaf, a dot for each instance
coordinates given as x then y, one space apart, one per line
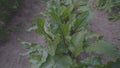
40 25
33 27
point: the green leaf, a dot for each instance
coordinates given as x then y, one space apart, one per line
78 43
28 45
81 21
68 38
78 3
48 31
92 35
49 63
103 47
40 25
92 61
36 53
58 62
33 27
83 8
67 11
54 16
52 46
65 29
61 49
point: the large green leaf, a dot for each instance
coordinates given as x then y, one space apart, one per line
78 43
59 61
92 61
103 47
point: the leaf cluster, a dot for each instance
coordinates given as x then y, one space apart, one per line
63 25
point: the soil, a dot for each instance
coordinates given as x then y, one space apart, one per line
100 24
10 52
109 29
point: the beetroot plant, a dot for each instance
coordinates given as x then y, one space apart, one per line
63 26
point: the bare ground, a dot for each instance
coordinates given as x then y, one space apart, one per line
100 24
9 53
